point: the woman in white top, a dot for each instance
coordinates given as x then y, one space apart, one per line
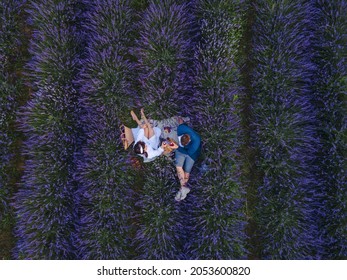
147 139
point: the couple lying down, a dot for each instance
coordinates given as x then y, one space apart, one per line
181 139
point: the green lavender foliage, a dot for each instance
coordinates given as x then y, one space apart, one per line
330 97
216 207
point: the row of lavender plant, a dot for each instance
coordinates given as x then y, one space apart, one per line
163 52
10 95
217 204
104 170
284 130
330 92
46 201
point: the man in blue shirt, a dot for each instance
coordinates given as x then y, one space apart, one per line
185 156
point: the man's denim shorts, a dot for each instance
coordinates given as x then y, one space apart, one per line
184 160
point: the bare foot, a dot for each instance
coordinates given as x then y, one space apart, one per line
142 112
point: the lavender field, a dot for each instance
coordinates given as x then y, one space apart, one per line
263 82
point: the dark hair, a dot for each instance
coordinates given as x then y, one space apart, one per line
137 148
185 139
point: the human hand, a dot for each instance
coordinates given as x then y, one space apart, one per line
173 145
163 145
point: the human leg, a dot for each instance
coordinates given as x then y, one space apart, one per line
186 177
187 167
180 174
179 162
145 131
135 118
155 139
184 164
150 131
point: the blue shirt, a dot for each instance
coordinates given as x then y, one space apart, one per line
193 149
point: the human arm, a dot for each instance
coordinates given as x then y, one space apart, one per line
143 116
154 153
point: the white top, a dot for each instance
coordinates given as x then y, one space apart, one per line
153 149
